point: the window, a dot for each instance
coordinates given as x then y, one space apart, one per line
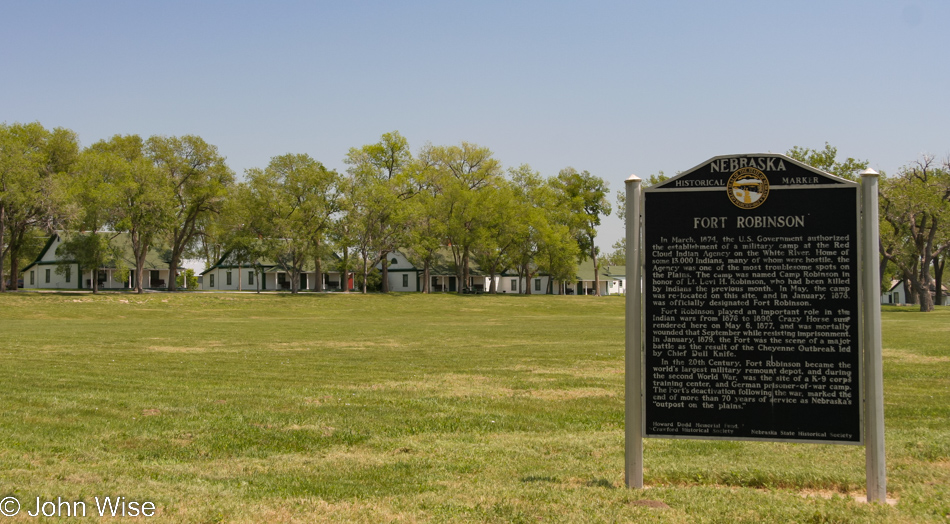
393 262
514 284
537 284
211 279
32 278
47 276
69 271
227 277
405 280
250 278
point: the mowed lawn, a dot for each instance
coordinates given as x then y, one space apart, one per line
410 408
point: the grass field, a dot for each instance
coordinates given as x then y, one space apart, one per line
410 408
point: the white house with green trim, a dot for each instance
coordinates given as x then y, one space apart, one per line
228 274
405 276
897 295
42 273
443 278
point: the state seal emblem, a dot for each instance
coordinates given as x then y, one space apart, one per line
748 188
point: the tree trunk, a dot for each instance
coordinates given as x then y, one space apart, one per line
938 279
3 227
344 280
464 281
923 287
317 274
910 292
365 272
140 270
426 278
550 276
14 266
882 269
593 256
910 280
384 264
926 299
138 253
173 273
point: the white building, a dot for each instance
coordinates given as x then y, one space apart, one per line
51 271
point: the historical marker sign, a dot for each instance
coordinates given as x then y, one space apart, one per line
751 303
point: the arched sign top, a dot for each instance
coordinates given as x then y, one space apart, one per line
777 171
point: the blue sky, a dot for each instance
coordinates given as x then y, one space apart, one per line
611 87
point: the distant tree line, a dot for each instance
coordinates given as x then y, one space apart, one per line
178 194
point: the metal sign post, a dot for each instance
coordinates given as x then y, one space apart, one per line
633 405
873 372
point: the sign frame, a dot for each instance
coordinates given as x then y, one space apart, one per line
869 401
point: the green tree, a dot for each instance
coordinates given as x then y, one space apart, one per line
586 196
559 252
619 255
95 192
341 232
381 185
915 205
467 169
33 170
143 204
288 207
541 230
425 230
235 234
504 228
188 279
826 160
198 179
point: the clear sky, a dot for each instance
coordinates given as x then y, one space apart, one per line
614 88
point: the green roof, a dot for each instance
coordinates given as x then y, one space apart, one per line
585 271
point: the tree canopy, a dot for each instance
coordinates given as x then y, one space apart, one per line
179 195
